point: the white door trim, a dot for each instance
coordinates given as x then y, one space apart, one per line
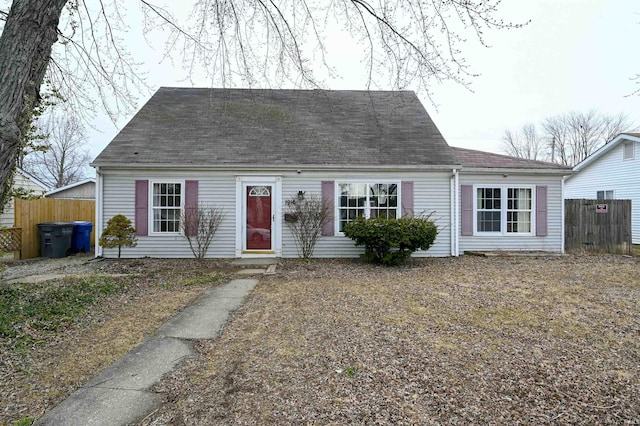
241 215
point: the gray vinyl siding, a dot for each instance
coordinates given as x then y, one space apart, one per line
431 194
218 189
20 181
611 172
553 242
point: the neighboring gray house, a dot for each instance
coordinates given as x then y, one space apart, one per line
21 179
612 172
82 190
367 153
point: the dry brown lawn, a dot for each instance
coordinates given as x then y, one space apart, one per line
502 340
506 340
35 380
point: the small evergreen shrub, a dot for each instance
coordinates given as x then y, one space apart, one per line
391 241
118 233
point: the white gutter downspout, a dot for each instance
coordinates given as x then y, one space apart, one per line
562 210
99 198
454 213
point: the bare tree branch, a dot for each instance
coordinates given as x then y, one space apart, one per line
276 43
524 144
568 138
66 159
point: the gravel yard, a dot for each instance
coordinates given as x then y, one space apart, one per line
80 263
502 340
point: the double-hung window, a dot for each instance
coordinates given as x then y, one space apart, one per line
504 210
605 194
364 199
489 210
166 205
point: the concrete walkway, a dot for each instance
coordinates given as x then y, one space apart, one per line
121 394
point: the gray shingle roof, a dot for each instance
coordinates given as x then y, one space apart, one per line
470 158
226 127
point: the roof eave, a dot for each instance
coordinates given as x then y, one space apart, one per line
604 149
293 167
519 171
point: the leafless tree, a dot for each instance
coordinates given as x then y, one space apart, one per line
574 136
79 46
199 225
525 143
66 158
568 138
305 216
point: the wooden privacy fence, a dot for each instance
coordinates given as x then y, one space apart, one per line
29 213
599 225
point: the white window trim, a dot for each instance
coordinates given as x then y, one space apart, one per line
503 210
183 190
367 208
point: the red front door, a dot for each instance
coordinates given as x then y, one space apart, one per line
259 217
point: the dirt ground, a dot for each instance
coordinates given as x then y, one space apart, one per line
472 340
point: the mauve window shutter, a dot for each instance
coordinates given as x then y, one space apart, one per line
466 209
328 197
191 206
541 211
142 207
407 198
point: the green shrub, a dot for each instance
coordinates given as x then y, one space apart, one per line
119 232
391 241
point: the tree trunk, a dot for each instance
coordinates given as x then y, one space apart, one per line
25 48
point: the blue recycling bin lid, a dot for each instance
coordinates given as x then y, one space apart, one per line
79 226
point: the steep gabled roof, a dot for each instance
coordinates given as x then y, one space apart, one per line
472 159
633 137
186 127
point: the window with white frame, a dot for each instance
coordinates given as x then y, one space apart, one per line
605 194
166 206
489 210
628 151
504 209
519 202
356 199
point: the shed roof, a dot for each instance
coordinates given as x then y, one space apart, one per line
70 186
232 127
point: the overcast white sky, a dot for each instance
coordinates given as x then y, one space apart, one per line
575 55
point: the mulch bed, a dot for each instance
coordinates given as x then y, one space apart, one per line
503 340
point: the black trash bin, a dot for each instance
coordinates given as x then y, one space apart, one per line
55 238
